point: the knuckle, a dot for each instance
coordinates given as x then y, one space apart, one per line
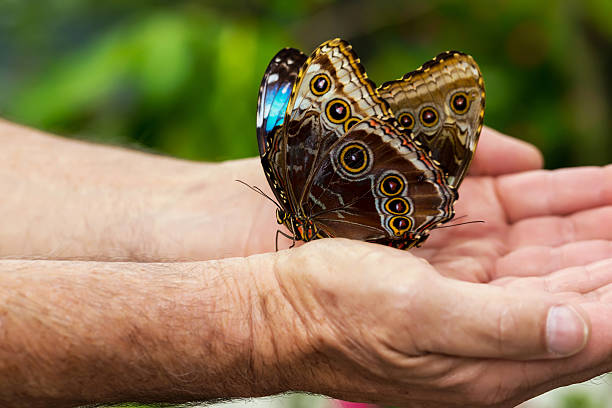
490 390
462 379
506 328
478 384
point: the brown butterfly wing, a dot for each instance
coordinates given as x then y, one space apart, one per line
375 184
332 94
442 104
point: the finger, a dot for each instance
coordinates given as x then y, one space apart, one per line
556 192
498 154
518 381
556 231
542 260
476 320
585 279
592 361
602 295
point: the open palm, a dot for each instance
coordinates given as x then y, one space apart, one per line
535 221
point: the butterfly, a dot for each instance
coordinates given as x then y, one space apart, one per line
346 159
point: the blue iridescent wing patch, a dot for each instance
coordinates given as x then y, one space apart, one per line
274 94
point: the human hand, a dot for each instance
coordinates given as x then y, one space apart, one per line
375 324
243 222
536 221
104 203
520 246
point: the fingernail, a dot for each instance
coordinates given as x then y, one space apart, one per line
566 330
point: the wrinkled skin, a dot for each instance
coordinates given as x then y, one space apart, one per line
433 339
461 321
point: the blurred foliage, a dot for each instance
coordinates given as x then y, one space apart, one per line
578 400
181 77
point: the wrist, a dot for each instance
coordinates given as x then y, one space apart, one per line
296 342
203 213
281 344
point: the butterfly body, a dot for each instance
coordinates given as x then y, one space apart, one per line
342 161
302 227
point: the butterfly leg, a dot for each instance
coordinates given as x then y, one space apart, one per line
291 237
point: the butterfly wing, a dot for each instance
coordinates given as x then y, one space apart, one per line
375 184
274 93
442 104
331 95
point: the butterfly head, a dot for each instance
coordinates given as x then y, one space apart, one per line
302 228
281 216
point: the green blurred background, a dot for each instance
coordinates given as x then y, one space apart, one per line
181 77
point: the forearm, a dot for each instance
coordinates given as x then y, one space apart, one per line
65 199
82 332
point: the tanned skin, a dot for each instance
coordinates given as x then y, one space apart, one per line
132 277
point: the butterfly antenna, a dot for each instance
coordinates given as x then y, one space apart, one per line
462 223
258 191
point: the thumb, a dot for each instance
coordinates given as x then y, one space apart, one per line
479 320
